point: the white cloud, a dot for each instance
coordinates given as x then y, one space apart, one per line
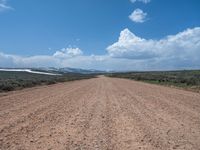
144 1
68 52
131 46
4 6
138 16
7 60
182 46
130 52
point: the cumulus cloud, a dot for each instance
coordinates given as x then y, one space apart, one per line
130 52
138 16
132 47
56 60
144 1
182 49
7 60
4 6
68 52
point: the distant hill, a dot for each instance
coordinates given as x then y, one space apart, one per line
71 70
78 70
54 71
32 71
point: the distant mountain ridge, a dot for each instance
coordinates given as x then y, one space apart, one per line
78 70
56 70
30 71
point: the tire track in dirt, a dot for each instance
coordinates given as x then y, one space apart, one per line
32 97
166 128
36 105
43 113
101 113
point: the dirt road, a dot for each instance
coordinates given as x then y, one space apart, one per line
102 113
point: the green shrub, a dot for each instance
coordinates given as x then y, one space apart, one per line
177 78
17 80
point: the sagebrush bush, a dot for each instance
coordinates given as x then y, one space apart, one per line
17 80
177 78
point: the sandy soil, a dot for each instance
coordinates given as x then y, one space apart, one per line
102 113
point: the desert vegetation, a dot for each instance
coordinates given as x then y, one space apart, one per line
18 80
189 79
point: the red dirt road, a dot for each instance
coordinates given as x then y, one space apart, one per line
102 113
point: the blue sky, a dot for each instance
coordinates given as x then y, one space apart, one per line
86 34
